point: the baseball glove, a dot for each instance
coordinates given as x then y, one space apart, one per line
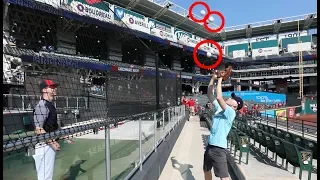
225 74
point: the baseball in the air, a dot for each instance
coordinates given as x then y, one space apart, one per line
213 51
202 12
211 19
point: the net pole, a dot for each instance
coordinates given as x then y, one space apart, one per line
157 82
107 151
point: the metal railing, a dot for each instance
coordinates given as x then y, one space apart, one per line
161 123
27 102
305 128
175 116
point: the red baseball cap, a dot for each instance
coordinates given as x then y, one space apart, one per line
47 83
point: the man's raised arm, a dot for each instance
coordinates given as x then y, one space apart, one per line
210 88
220 99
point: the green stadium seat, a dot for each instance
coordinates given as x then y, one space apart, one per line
241 143
280 133
311 145
266 128
288 137
262 140
280 151
298 157
296 150
297 140
270 143
273 130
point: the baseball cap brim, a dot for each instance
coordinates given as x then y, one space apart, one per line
48 83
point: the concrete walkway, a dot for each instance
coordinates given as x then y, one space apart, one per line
186 158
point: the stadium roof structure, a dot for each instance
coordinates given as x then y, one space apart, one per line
172 14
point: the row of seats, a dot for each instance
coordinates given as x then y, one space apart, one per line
288 136
291 137
294 154
257 66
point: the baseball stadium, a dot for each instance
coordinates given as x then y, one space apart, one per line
97 89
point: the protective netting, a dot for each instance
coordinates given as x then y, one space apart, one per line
101 72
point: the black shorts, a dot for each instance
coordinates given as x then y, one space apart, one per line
216 157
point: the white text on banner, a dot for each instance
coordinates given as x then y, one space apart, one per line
100 11
299 47
161 30
265 51
133 20
292 34
239 53
263 38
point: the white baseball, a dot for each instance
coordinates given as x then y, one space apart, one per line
211 19
202 12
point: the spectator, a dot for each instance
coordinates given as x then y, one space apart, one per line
45 121
191 106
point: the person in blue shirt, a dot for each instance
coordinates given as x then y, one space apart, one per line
215 155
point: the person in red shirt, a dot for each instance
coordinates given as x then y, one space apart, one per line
191 106
184 100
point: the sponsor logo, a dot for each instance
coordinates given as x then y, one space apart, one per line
83 8
313 107
131 21
119 13
260 50
80 7
266 99
127 69
291 112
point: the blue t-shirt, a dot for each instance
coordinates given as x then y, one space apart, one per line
221 125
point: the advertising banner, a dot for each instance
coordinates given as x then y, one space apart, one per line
291 112
281 114
265 51
239 53
292 34
306 46
310 107
258 96
161 30
268 113
131 19
263 38
182 37
100 11
194 40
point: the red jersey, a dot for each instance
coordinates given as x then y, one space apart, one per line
191 102
184 101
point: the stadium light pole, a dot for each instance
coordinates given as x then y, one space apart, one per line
300 65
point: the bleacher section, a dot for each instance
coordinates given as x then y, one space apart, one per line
297 151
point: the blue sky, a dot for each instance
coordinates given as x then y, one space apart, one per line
238 12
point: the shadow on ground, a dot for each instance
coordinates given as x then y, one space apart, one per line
184 169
